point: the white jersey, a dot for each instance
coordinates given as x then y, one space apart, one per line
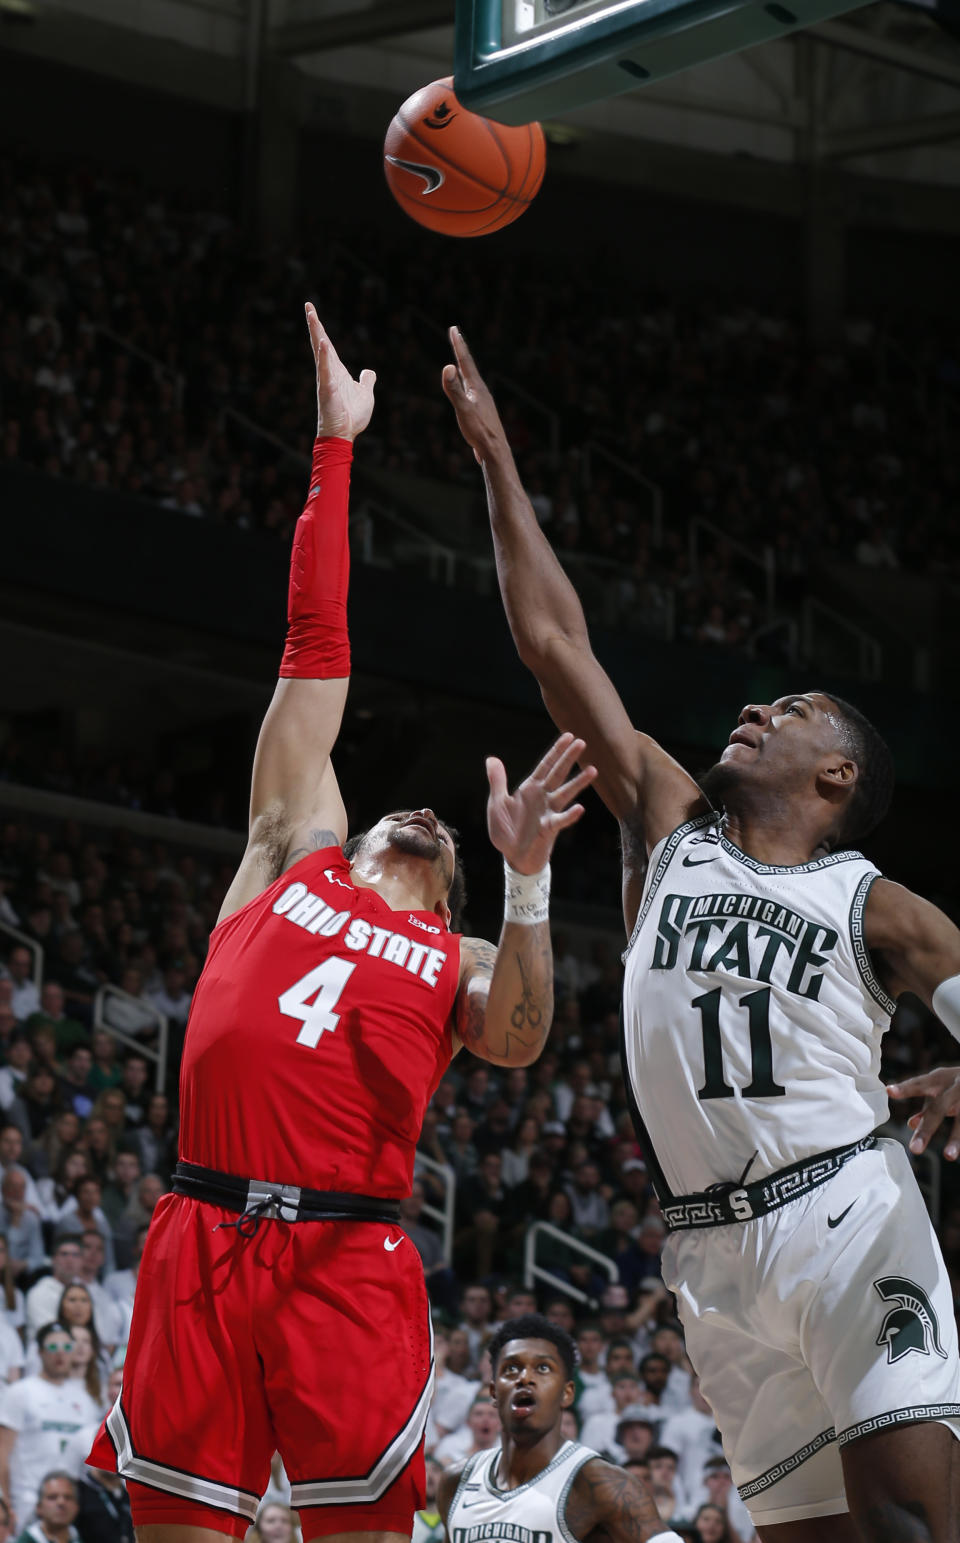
752 1017
44 1415
531 1513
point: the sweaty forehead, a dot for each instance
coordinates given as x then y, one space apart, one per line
539 1349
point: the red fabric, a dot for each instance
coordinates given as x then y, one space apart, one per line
309 1338
318 645
319 1030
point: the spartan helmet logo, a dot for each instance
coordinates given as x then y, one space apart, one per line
912 1323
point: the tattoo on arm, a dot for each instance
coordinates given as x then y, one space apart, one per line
471 1005
521 1025
606 1500
318 840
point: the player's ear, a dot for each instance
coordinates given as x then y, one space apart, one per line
569 1394
840 774
444 912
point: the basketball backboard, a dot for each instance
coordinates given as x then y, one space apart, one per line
517 60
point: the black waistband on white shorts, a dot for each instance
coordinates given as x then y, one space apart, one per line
723 1204
264 1200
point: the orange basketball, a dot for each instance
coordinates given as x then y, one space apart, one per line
456 172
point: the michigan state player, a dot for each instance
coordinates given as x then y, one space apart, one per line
764 961
537 1487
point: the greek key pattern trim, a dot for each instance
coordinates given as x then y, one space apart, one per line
906 1416
710 818
768 1195
860 951
786 1465
812 867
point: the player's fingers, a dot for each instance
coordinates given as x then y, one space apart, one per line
568 817
462 352
552 760
497 777
932 1116
368 379
451 382
915 1087
566 761
575 785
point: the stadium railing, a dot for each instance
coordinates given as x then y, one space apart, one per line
828 637
442 1214
36 950
101 1004
653 492
533 1272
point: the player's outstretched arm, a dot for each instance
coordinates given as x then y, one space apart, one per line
640 784
295 803
614 1505
504 1004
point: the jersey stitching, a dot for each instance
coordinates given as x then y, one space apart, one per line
812 867
898 1417
787 1465
565 1492
673 842
508 1494
861 953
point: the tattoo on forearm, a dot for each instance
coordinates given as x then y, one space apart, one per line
502 1027
318 840
607 1501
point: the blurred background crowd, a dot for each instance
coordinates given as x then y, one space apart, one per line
88 1133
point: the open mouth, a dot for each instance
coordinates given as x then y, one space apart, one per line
418 822
523 1403
744 736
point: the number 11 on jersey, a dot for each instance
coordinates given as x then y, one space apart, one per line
314 996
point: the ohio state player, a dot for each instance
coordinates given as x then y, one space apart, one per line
279 1304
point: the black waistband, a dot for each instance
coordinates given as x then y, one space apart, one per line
274 1201
725 1204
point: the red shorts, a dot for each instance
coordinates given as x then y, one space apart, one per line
311 1339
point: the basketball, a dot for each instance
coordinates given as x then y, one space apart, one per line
458 173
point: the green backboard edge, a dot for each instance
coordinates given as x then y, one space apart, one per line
480 77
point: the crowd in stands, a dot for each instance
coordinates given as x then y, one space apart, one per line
133 330
88 1143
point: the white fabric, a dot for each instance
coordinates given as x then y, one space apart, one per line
11 1351
121 1285
30 1196
777 956
693 1436
535 1510
453 1396
597 1399
45 1415
599 1431
24 1000
836 1313
946 1004
526 898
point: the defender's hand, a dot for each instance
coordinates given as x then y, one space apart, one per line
940 1091
344 405
524 825
472 400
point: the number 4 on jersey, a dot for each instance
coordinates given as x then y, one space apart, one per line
313 998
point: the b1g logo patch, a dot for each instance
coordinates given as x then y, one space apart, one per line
911 1324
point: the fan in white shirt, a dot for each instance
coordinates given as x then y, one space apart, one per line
38 1415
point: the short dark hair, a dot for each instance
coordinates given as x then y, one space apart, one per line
44 1333
654 1452
534 1326
873 789
456 894
654 1355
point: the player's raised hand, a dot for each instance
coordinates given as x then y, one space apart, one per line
524 825
940 1091
344 405
472 400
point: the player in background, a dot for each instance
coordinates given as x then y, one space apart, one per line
536 1484
334 994
763 965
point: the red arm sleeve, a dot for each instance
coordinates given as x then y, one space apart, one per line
318 645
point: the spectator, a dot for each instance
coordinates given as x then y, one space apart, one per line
121 1284
710 1525
667 1340
21 1227
482 1198
41 1099
462 1155
654 1374
172 998
665 1486
122 1187
35 1416
43 1299
479 1433
87 1361
111 1321
141 1207
56 1511
453 1394
83 1211
589 1372
516 1157
99 1143
25 996
61 1137
693 1435
76 1089
428 1524
52 1014
134 1076
11 1297
600 1430
156 1139
476 1308
13 1078
11 1151
104 1507
56 1194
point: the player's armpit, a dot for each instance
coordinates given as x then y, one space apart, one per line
447 1488
915 945
605 1500
504 1004
275 843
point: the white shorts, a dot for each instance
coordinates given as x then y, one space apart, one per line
823 1321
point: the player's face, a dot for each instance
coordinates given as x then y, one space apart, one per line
782 745
531 1388
416 833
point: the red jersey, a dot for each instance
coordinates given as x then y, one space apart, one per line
319 1030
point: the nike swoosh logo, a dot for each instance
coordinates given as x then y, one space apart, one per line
698 862
834 1221
391 1246
432 175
